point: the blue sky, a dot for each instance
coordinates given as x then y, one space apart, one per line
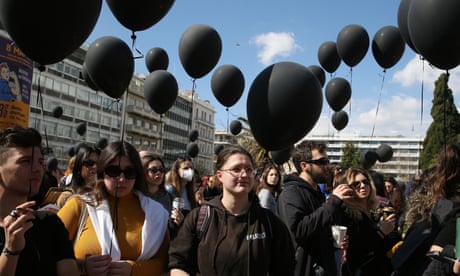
256 34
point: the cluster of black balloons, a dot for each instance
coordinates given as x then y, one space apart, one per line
430 28
383 153
192 147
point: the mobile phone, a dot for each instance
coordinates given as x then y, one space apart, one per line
437 255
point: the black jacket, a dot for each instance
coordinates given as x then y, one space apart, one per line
309 218
258 240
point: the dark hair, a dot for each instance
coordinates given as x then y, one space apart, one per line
263 180
18 137
446 180
78 183
228 151
108 154
147 159
303 152
379 182
52 165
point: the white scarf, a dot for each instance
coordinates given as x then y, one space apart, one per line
153 229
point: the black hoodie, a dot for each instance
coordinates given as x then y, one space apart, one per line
258 240
309 218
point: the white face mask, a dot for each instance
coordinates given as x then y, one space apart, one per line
187 174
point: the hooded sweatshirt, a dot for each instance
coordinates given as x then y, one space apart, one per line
309 218
254 243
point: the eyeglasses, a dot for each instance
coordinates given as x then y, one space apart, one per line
156 170
89 163
355 184
239 171
114 171
320 162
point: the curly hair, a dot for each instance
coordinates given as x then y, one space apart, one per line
441 181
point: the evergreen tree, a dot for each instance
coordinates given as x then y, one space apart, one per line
445 126
350 156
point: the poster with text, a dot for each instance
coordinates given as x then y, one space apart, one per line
15 85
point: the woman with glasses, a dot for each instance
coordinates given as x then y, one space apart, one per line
117 229
83 177
368 240
155 177
232 234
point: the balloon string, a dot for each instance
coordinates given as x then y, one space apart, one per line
378 102
133 37
421 103
421 94
41 68
161 131
351 85
228 119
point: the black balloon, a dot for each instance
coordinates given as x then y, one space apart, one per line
57 28
434 31
388 46
110 64
283 105
352 44
281 156
156 59
102 143
218 148
319 73
338 93
81 129
227 84
403 12
200 48
160 90
138 15
339 120
235 127
193 135
368 159
192 150
384 153
87 78
71 152
57 112
328 56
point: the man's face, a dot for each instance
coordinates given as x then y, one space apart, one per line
21 170
320 173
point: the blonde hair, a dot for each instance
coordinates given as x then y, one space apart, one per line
353 208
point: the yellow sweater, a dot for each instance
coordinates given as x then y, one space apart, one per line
129 235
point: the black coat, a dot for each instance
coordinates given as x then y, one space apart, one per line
309 218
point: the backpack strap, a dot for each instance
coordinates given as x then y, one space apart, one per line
203 221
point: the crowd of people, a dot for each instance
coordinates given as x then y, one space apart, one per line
119 211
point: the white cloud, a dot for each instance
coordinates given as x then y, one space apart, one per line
417 70
272 45
399 115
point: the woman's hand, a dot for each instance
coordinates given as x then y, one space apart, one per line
457 267
177 216
388 224
16 224
120 268
97 265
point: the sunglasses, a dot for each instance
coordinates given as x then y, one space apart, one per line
321 162
115 171
357 183
156 170
89 163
